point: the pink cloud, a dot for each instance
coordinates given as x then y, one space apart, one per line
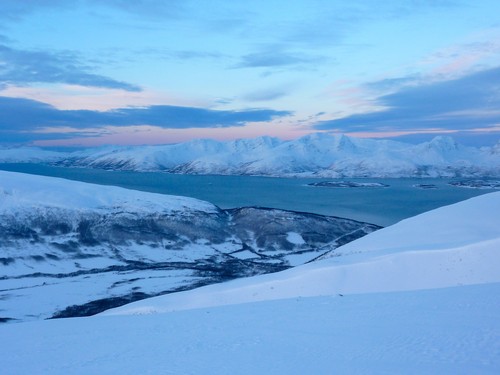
72 97
146 134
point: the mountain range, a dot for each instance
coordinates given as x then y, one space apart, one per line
316 155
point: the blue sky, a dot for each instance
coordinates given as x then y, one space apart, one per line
92 72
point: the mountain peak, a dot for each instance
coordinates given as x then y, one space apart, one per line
315 137
443 143
344 143
496 148
337 142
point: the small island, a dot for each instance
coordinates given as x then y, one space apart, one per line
348 184
477 184
425 186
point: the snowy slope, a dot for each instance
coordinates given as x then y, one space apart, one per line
335 316
450 246
439 331
315 155
20 191
29 154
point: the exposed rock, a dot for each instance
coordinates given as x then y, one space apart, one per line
348 184
477 184
88 260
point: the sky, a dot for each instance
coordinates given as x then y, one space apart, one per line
96 72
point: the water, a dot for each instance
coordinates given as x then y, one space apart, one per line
382 206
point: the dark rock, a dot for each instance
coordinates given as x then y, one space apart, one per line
124 249
348 184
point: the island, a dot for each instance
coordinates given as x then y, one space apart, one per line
348 184
425 186
477 184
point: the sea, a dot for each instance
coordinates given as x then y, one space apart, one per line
400 199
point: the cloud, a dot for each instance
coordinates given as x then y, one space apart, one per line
393 83
21 114
14 10
189 117
182 55
328 23
275 58
265 95
464 103
20 67
21 117
155 9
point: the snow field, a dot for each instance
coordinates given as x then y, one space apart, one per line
440 331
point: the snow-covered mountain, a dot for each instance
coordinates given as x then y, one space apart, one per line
315 155
29 155
419 297
69 248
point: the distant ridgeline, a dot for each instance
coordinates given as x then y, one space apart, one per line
316 155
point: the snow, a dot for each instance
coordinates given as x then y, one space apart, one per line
295 238
450 246
62 239
244 254
23 190
439 331
409 270
29 154
316 155
419 297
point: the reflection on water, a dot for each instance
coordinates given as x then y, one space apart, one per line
378 205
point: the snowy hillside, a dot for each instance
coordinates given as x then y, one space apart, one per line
316 155
29 155
450 246
420 297
72 249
